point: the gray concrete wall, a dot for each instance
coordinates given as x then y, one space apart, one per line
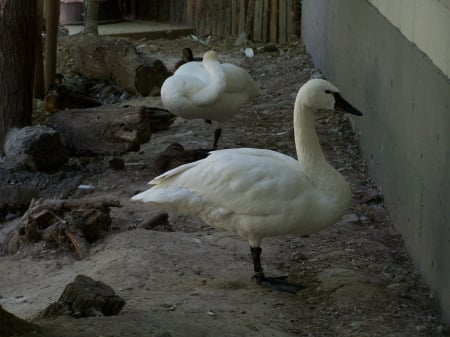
405 132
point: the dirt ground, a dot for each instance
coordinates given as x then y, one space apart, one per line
190 280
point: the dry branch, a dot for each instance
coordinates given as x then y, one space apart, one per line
69 224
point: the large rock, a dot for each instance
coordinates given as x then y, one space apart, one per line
36 148
85 297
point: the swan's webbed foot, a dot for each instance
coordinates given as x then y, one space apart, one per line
277 283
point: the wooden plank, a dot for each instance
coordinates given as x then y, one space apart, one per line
274 21
293 20
242 13
250 18
266 21
234 18
257 21
282 15
227 26
190 7
220 17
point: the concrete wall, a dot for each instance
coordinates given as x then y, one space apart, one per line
405 94
426 23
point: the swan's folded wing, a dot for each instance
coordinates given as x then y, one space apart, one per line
240 181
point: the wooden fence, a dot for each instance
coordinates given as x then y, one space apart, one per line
262 20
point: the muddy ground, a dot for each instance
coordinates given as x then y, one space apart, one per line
190 280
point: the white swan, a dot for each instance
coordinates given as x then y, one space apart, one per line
208 90
261 193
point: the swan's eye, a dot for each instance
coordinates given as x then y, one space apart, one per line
329 92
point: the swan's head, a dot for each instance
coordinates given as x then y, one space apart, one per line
210 56
321 94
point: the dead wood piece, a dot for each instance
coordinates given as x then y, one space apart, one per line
37 205
85 297
70 224
117 60
160 219
105 130
160 119
79 244
175 155
92 223
60 99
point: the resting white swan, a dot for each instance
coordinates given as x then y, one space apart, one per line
208 90
261 193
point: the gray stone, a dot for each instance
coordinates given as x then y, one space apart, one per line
36 148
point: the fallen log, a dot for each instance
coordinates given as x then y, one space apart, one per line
105 130
117 60
57 204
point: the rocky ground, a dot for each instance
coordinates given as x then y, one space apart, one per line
187 279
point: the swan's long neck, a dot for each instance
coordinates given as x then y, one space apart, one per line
311 157
214 88
309 151
335 191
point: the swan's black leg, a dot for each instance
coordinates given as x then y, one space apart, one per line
217 134
278 283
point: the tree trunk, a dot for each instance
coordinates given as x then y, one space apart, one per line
17 41
39 85
51 30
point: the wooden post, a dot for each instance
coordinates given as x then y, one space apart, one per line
234 18
190 8
282 11
250 18
51 28
257 23
91 10
293 20
274 21
266 21
242 13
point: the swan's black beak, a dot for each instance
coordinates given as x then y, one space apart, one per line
343 106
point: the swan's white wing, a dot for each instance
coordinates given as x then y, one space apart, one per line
239 181
239 80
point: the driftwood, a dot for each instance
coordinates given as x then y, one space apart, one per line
160 119
104 130
117 60
68 224
85 297
61 97
156 220
175 155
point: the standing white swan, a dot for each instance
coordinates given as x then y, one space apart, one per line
208 90
261 193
